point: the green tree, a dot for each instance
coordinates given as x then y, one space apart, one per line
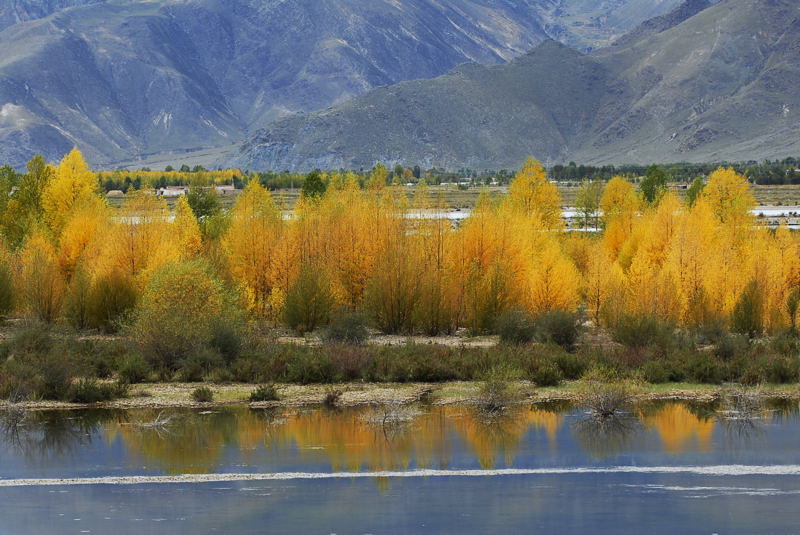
204 201
24 208
694 191
587 201
654 184
313 186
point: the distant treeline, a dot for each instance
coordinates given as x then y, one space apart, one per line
777 172
768 172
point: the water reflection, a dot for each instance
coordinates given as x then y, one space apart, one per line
679 426
606 436
184 441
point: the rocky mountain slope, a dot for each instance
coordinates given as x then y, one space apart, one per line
704 83
125 79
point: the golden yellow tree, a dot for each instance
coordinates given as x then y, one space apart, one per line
254 235
729 196
531 193
555 283
186 230
72 184
41 285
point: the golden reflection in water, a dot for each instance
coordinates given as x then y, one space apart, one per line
679 428
350 440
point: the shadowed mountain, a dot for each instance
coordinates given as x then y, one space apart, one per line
687 86
126 79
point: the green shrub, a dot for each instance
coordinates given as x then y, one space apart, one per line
111 297
175 316
787 343
641 331
309 301
783 370
545 373
515 327
559 327
747 316
266 392
202 394
134 369
350 361
33 341
705 368
194 368
656 372
91 391
311 366
348 328
76 301
497 390
572 366
6 290
226 338
56 377
730 345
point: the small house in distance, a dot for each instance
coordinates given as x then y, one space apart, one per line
172 191
225 189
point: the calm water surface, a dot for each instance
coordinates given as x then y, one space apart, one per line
665 468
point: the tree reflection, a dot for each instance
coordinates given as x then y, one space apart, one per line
606 436
39 435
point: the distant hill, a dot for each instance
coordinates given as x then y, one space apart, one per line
700 84
128 79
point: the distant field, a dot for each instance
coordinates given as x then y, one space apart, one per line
465 199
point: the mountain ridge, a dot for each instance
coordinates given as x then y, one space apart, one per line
125 79
695 91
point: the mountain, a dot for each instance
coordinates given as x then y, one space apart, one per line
704 83
128 80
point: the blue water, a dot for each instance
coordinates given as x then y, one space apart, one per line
675 436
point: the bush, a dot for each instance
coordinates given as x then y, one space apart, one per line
309 301
310 366
705 368
264 393
639 332
559 327
56 377
496 391
515 327
226 339
31 342
75 309
348 328
134 369
783 370
731 345
572 366
202 394
194 368
91 391
6 290
746 317
177 311
332 396
656 372
545 373
111 297
350 361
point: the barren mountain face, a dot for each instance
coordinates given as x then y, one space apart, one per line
125 79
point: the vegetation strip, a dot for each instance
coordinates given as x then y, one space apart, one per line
717 470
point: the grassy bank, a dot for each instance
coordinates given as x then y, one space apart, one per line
50 367
164 395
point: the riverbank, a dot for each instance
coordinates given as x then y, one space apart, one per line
169 395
